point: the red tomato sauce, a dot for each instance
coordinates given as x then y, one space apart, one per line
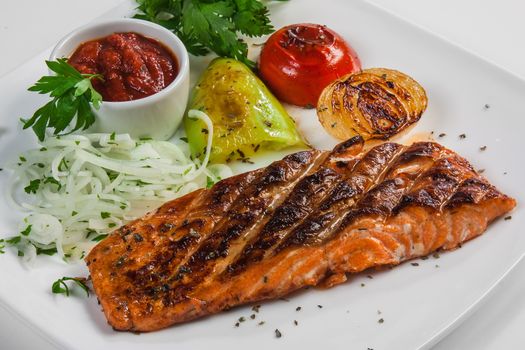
133 65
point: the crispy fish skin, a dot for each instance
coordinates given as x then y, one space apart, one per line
306 220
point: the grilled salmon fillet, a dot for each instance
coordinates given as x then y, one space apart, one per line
308 219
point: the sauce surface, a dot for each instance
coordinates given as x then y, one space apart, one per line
133 65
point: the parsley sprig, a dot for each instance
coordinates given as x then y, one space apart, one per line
60 286
205 25
71 93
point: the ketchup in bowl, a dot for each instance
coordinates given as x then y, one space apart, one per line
133 66
299 61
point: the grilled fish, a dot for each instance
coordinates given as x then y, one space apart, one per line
309 219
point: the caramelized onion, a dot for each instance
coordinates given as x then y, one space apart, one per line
375 103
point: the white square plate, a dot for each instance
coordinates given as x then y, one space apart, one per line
418 304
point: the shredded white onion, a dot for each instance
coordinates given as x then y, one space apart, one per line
83 186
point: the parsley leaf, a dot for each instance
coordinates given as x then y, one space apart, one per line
209 182
27 231
100 237
252 18
13 240
52 180
44 251
60 286
32 187
205 25
71 93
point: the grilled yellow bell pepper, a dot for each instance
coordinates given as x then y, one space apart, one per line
246 116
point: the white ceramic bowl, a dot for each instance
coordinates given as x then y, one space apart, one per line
156 116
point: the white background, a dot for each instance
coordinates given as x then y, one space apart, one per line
494 30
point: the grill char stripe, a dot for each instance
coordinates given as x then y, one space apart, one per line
459 176
241 217
433 190
379 201
286 216
201 219
366 173
472 191
439 184
305 196
404 173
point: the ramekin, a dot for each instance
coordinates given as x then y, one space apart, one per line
157 116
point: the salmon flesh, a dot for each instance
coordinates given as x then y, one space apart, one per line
306 220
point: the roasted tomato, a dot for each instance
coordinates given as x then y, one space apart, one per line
299 61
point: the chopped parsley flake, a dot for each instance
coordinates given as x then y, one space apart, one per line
26 231
32 187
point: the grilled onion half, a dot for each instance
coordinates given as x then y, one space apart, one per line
375 103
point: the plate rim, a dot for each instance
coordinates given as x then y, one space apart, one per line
438 335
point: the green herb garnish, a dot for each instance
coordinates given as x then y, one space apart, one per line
90 232
63 164
32 187
13 240
71 93
99 238
205 25
48 251
52 180
26 231
60 286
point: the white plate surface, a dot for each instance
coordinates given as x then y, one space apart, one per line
418 304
